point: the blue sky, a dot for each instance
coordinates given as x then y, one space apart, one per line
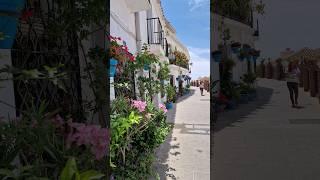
191 19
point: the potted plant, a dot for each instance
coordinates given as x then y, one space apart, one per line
235 47
217 55
118 54
113 67
252 94
246 48
242 55
145 58
244 95
9 13
255 54
171 93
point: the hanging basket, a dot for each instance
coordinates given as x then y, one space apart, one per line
217 55
113 67
235 47
146 67
10 11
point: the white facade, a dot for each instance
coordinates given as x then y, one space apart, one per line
239 32
136 22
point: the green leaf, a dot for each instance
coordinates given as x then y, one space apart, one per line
69 170
91 175
5 172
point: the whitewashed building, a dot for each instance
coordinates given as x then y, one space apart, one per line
239 31
140 22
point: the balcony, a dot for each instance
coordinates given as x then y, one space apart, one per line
237 14
156 37
138 5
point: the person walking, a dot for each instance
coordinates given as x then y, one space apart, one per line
201 87
293 75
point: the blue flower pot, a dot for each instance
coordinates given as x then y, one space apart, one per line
241 58
252 96
10 11
113 67
146 67
235 50
169 105
12 6
244 98
249 58
217 57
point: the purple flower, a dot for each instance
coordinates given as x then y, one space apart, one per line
140 105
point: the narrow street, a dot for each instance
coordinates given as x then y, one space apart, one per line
267 139
186 153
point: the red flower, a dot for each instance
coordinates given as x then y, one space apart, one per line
26 14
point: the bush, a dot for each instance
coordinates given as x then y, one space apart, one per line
137 132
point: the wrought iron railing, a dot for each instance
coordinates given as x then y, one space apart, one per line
245 17
33 49
156 32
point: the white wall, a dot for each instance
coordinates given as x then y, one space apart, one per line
122 23
6 88
239 32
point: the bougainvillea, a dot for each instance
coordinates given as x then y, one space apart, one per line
118 51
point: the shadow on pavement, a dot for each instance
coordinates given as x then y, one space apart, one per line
227 118
161 166
169 147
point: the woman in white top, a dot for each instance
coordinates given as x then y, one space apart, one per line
293 84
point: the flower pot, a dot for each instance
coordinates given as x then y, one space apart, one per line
146 67
10 12
246 48
169 105
217 55
113 67
249 58
235 50
252 96
244 98
241 58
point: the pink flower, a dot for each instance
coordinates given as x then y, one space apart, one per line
140 105
92 136
163 108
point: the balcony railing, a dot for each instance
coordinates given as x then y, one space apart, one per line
245 17
156 33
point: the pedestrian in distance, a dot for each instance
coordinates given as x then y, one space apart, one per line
201 87
292 78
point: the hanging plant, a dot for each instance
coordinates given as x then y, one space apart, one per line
236 47
181 59
119 51
9 13
217 55
145 58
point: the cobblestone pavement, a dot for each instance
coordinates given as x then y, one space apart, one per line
268 139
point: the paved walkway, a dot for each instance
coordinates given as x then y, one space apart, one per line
186 153
267 139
